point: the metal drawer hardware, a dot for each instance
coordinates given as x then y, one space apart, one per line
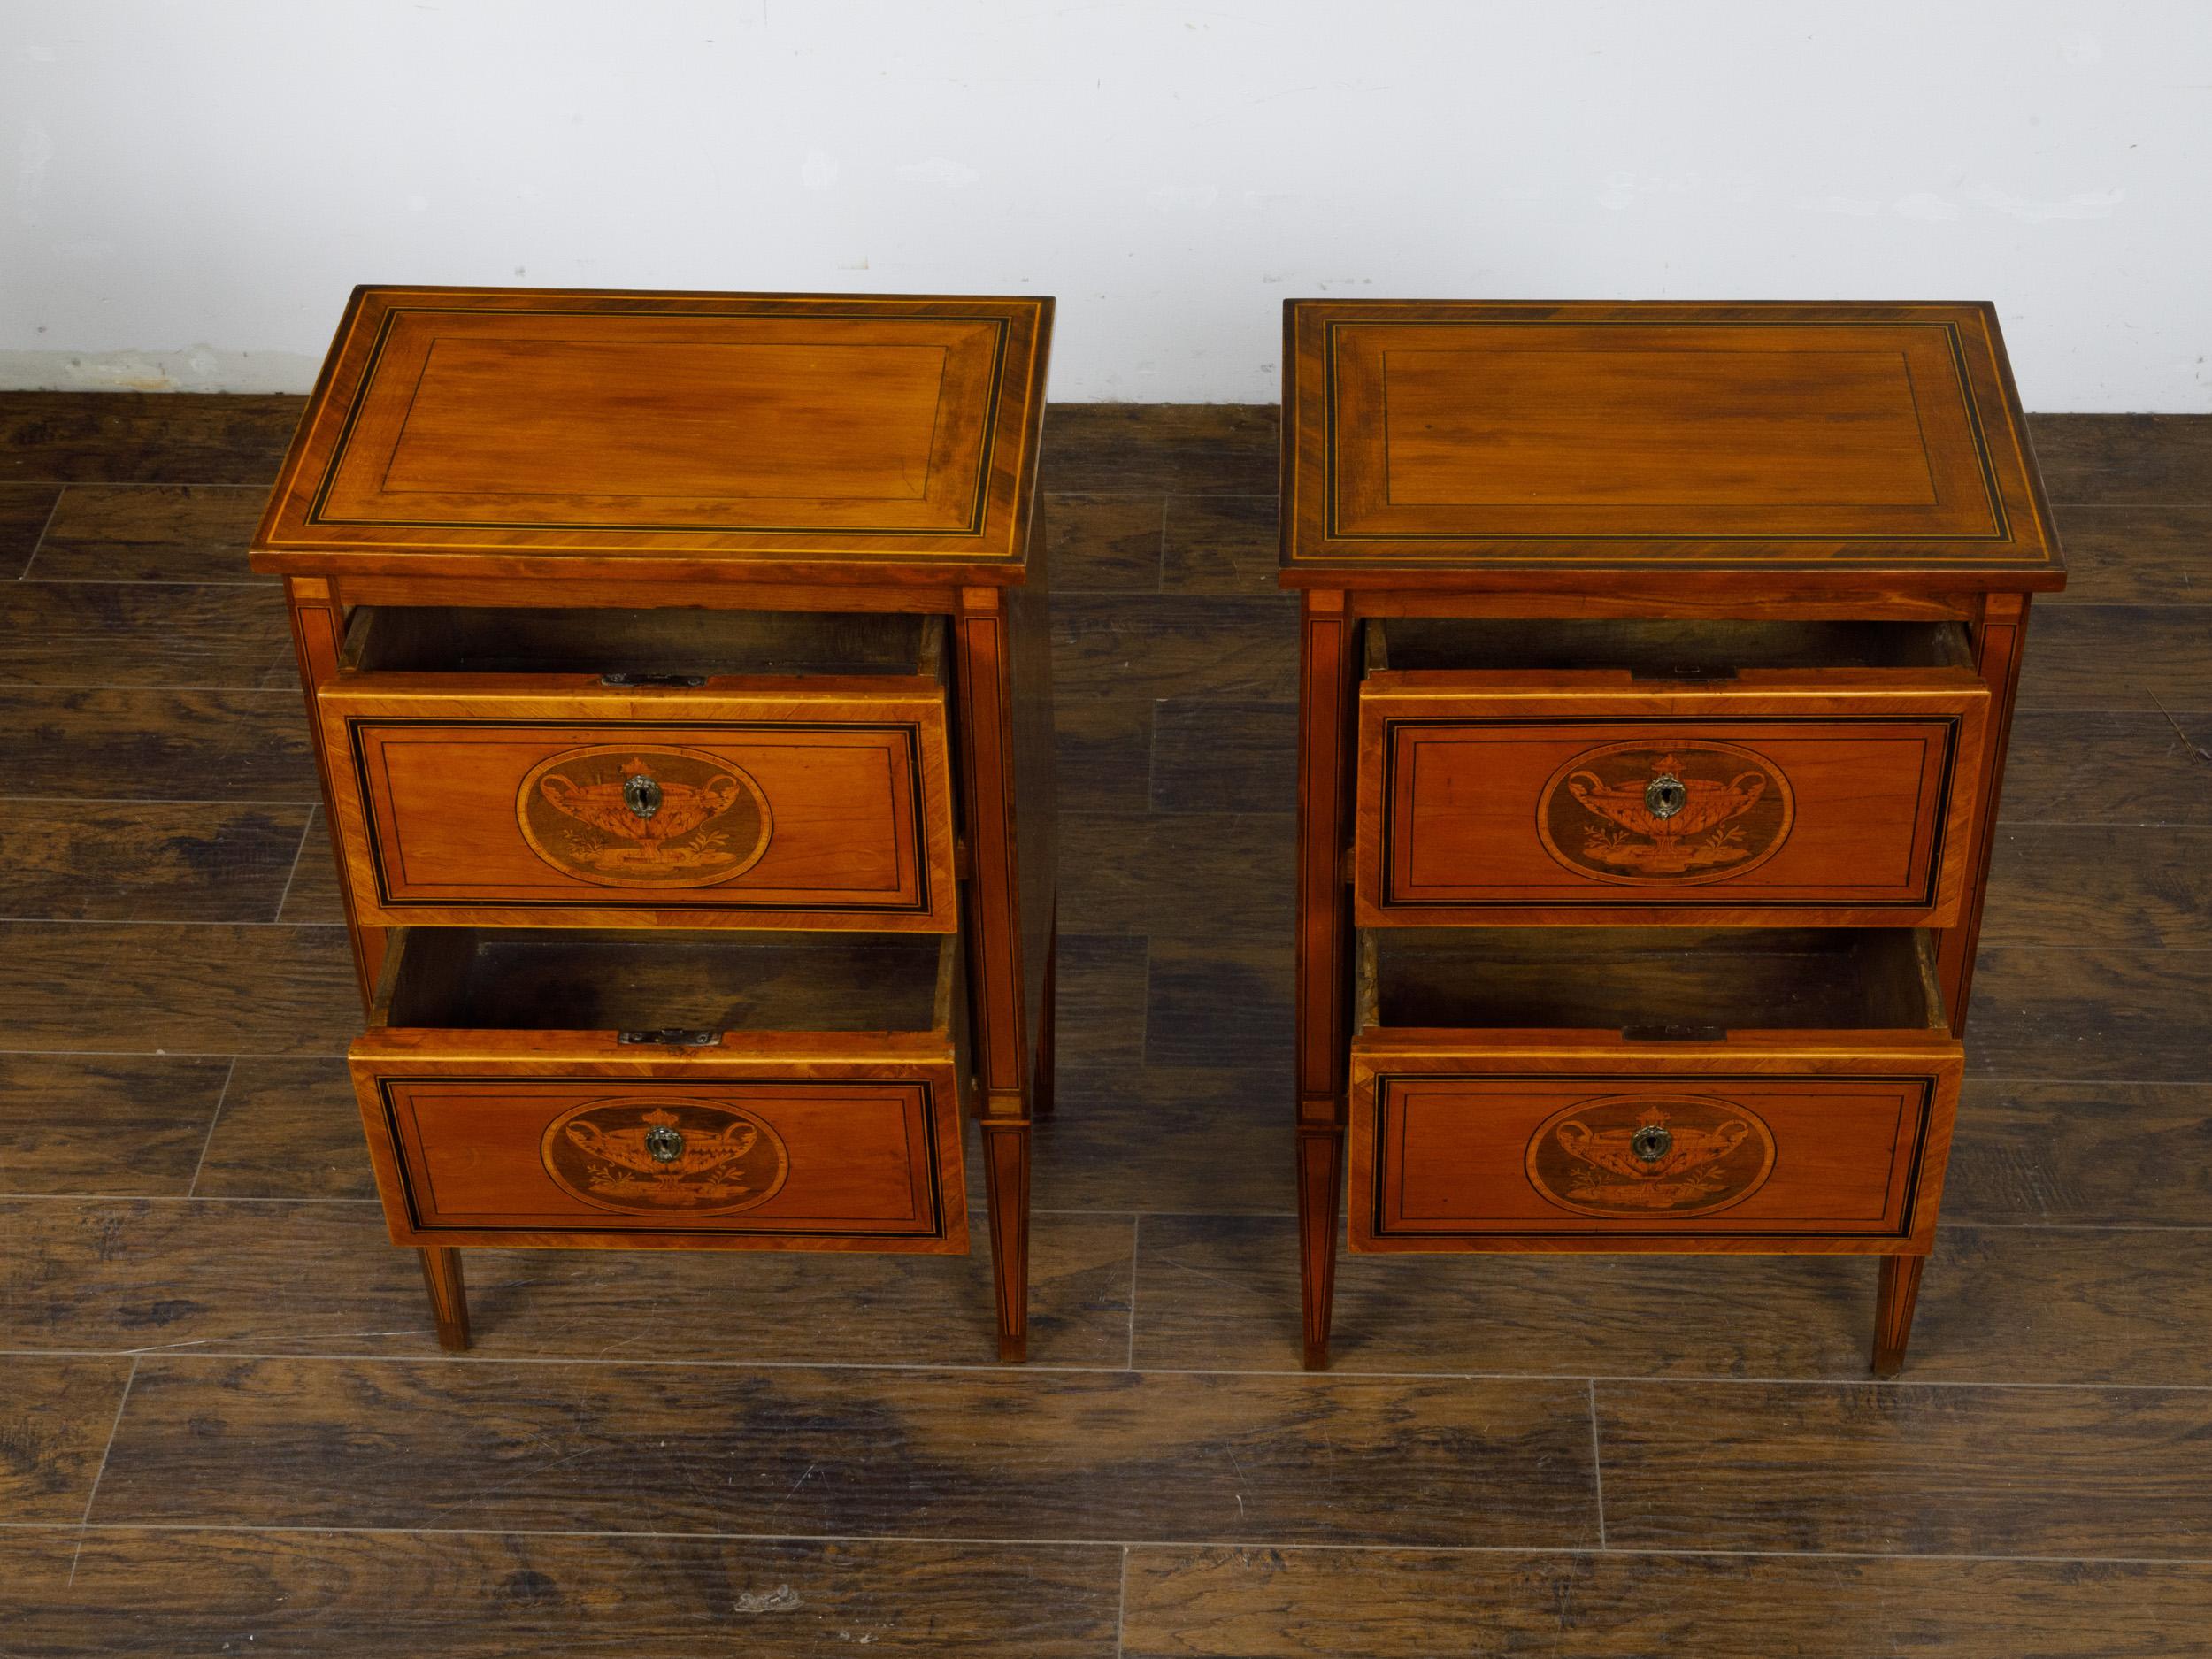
1689 674
666 1145
642 796
1666 794
1674 1033
673 1037
1651 1143
652 679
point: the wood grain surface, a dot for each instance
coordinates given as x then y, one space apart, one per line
1911 1472
26 510
150 533
1846 796
477 431
1215 1291
300 1276
2069 1273
1555 437
498 799
476 1596
1276 1603
1069 1455
133 1125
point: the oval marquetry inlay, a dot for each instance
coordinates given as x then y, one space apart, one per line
665 1158
1682 811
704 820
1650 1154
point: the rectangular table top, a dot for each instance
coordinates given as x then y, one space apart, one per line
487 432
1835 442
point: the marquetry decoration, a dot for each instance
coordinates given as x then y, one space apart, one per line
1642 1155
1818 794
667 1157
1676 435
1684 811
1678 644
494 805
678 668
655 816
571 429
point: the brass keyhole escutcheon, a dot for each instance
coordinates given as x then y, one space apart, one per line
1666 794
666 1144
641 795
1652 1142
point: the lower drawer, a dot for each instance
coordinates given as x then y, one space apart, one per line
1653 1132
547 1088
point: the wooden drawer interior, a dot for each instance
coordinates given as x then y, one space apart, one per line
682 644
1658 649
1664 982
483 979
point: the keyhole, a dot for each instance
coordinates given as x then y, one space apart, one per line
641 795
1665 795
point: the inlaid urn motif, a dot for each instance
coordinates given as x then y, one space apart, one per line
1683 812
660 1157
1641 1155
627 817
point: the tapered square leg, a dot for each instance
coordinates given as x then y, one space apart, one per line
1893 1309
1322 949
1006 1188
999 1007
449 1301
1320 1186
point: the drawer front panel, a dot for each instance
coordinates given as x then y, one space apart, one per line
1475 811
825 819
851 1163
1485 1153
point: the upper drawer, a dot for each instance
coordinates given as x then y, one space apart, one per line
1720 775
678 768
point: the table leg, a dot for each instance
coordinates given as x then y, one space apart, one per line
1998 641
1323 950
1893 1309
318 636
993 919
448 1300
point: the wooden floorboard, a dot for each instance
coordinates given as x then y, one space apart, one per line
325 1594
1999 1304
1324 1604
213 1354
1023 1455
1908 1469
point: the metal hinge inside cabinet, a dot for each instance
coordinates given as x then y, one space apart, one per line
652 679
673 1037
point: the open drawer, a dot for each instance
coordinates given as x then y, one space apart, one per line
677 768
1649 1089
1615 773
545 1087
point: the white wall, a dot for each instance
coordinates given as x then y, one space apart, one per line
196 185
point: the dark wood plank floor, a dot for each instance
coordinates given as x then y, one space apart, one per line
225 1426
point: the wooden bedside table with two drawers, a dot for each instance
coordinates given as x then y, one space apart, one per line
1657 665
679 671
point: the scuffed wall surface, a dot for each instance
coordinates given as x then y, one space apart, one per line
193 187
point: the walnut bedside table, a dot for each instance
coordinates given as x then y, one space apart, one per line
1657 665
677 664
